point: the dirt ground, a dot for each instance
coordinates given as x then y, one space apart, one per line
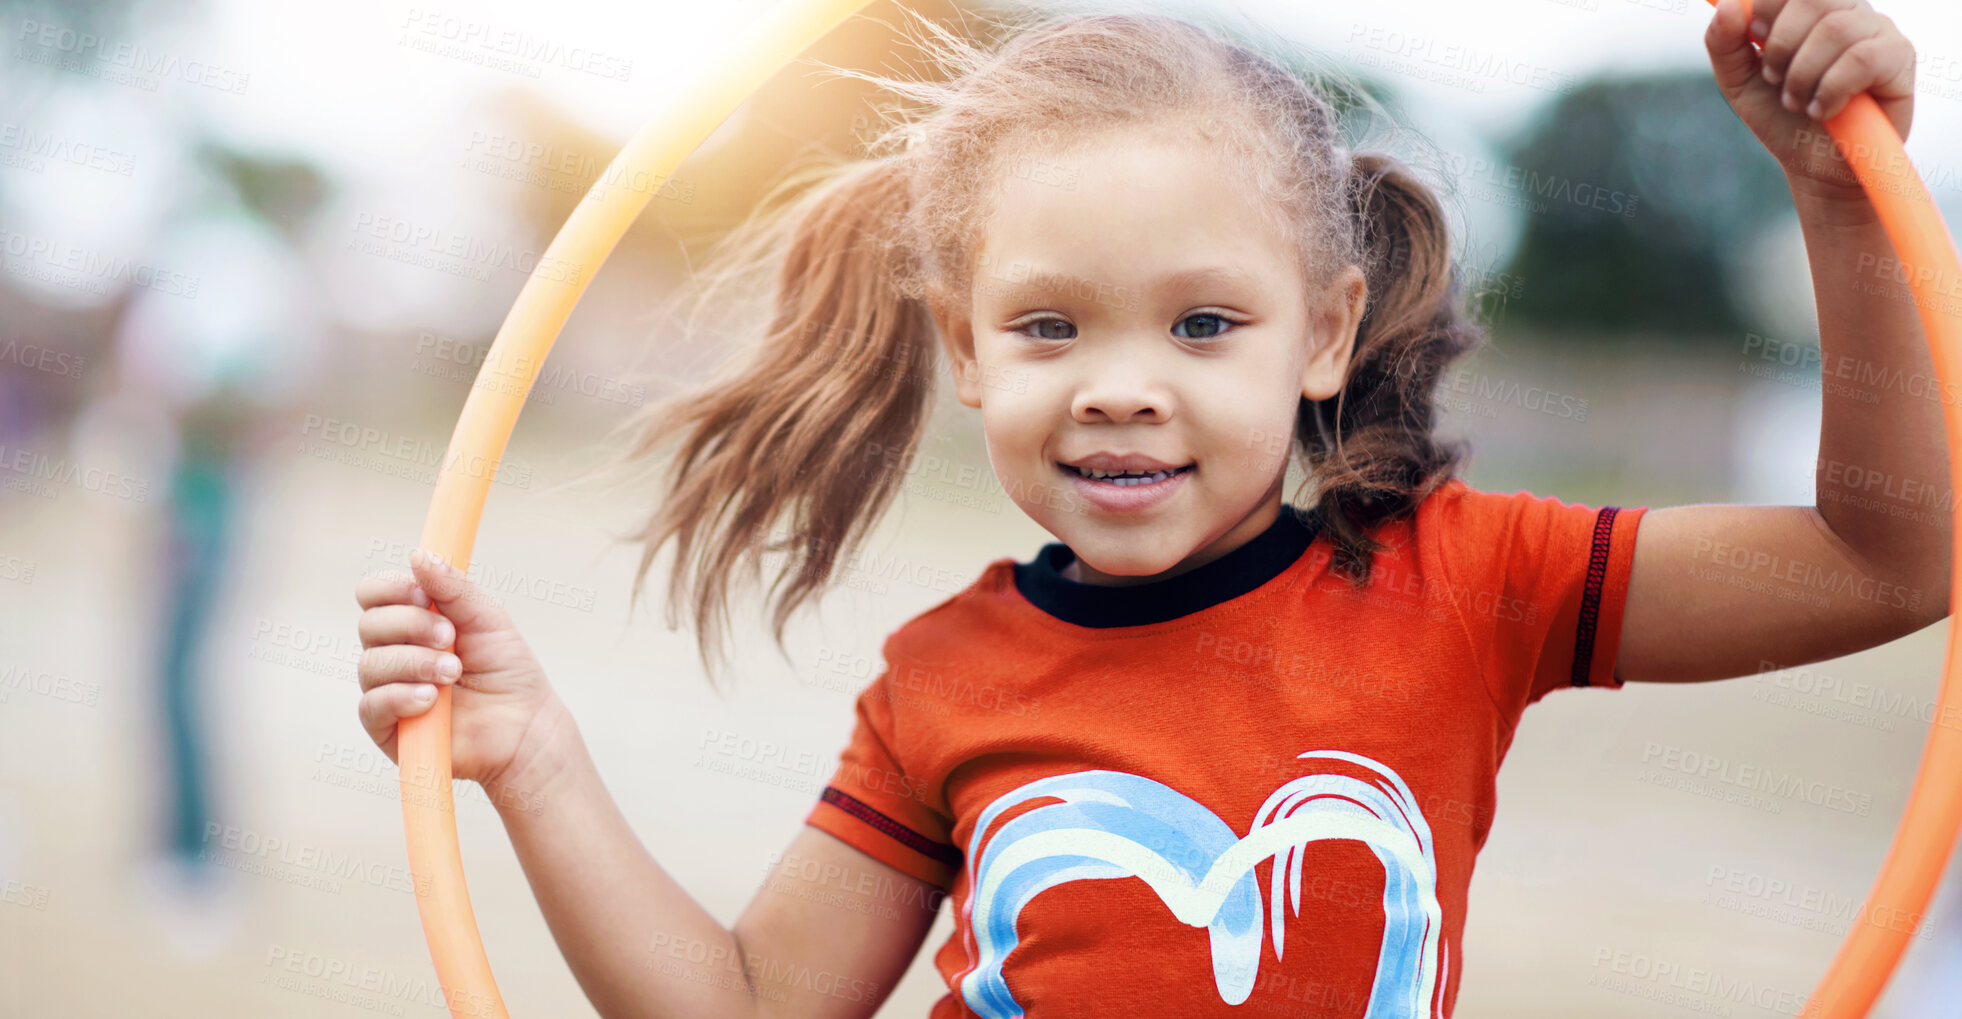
1601 890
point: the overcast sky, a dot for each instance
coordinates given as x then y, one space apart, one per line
356 87
346 66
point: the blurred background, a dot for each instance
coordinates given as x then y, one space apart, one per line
254 255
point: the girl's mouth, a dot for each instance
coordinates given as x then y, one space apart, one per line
1124 479
1125 491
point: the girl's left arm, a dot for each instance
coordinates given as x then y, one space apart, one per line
1728 590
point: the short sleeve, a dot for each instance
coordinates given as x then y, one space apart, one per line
872 803
1557 574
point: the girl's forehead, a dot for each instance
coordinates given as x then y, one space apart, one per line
1212 137
1106 203
1168 158
1195 176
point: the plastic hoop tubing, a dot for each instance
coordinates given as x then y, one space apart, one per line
489 414
1926 835
1929 824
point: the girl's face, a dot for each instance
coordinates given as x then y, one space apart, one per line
1131 302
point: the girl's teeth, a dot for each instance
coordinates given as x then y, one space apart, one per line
1113 478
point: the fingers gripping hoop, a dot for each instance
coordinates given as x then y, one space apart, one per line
1928 827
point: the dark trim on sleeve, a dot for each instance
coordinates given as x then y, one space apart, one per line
1590 610
941 851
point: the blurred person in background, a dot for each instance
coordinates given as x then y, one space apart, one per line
205 367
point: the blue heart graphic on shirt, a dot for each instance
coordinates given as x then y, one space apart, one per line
1113 824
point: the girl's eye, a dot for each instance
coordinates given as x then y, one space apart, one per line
1039 324
1208 325
1211 325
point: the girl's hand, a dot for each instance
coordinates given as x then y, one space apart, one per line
1817 55
437 627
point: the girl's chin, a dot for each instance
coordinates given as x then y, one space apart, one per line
1117 571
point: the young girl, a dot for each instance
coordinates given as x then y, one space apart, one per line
1210 749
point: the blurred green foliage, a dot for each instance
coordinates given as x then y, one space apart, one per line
1701 186
282 190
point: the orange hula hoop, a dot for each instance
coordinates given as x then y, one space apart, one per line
1922 842
1925 838
590 234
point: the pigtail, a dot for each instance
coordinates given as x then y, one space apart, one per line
814 423
1373 446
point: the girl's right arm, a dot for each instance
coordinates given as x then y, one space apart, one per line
641 946
809 944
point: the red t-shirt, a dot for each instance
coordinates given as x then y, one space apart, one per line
1247 789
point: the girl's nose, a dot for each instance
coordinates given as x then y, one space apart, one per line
1122 381
1121 400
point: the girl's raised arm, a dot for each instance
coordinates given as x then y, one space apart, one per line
1722 591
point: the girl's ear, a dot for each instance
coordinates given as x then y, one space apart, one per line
1337 317
956 331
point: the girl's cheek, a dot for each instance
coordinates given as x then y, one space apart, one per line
1025 404
1013 430
1258 437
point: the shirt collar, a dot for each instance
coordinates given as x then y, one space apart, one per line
1254 563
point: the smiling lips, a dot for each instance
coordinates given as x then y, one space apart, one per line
1124 484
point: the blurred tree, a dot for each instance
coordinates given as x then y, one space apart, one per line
282 190
1635 191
